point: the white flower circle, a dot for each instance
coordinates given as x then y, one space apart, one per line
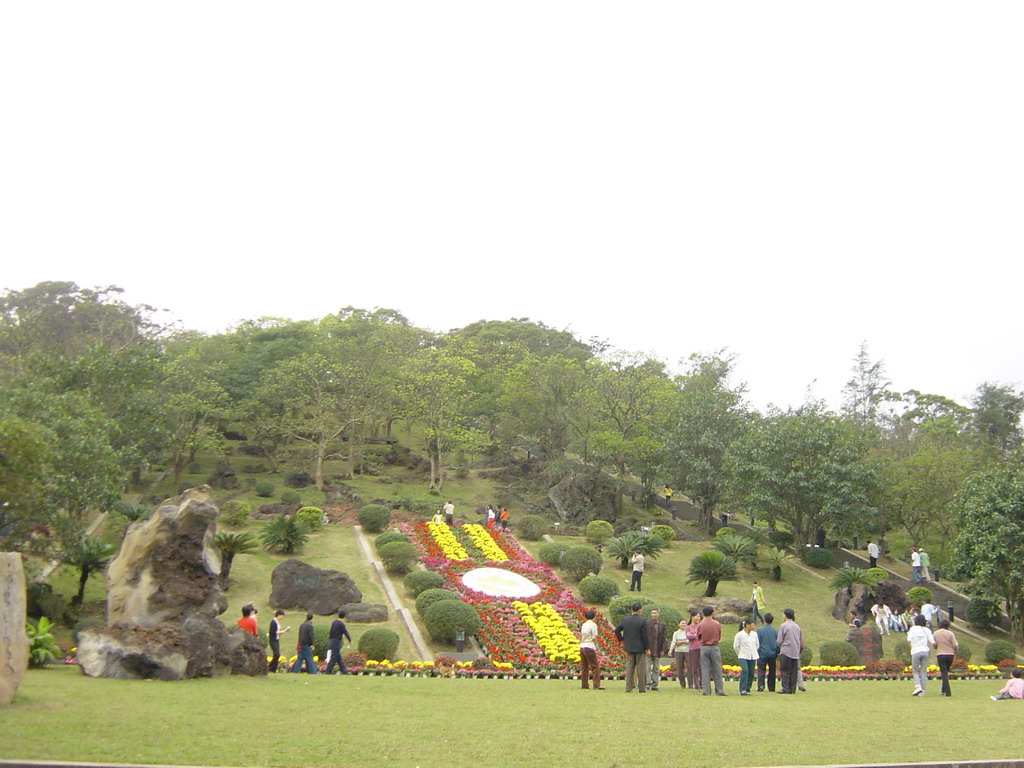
499 583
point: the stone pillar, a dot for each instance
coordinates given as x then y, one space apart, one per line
13 641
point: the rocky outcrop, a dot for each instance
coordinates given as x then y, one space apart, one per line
728 610
163 600
13 643
868 642
365 613
298 586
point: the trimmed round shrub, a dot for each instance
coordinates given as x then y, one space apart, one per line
550 553
599 531
919 595
428 597
664 532
398 557
838 653
667 614
321 636
419 582
878 573
311 517
901 651
580 561
781 539
983 612
264 489
963 651
374 518
235 512
532 527
805 656
725 530
728 654
379 644
444 618
290 497
818 558
387 538
618 609
998 650
598 589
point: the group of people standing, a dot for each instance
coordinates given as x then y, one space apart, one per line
493 517
695 650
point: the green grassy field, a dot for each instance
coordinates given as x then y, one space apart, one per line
297 720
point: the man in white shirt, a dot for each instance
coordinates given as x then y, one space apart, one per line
872 554
638 571
915 565
930 612
449 512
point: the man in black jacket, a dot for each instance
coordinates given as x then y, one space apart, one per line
338 631
305 646
632 633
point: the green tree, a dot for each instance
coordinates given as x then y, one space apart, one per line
713 567
231 544
89 555
867 390
996 412
25 464
284 534
989 550
707 416
806 467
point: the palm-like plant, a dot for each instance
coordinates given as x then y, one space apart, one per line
846 578
774 558
625 545
712 566
42 650
284 534
89 556
742 549
231 544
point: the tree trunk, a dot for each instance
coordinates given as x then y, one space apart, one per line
226 558
320 467
712 588
83 577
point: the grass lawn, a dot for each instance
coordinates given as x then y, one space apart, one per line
296 720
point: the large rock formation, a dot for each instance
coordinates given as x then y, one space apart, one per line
298 586
163 599
728 610
13 642
868 642
365 612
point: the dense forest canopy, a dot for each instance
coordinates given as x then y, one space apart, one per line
96 392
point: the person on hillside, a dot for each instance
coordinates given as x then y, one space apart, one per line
274 635
504 518
926 562
679 650
638 571
449 512
882 614
691 634
930 612
746 645
632 633
590 667
873 554
915 565
757 602
709 632
1014 688
248 621
921 642
305 648
656 644
791 644
767 653
334 638
438 517
490 517
946 647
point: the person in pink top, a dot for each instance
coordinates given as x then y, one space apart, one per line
1014 688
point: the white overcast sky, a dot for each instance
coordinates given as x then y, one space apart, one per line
785 179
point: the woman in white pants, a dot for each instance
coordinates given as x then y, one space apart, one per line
921 642
882 614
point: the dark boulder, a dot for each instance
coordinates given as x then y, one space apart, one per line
297 586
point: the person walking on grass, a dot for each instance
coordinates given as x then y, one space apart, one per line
757 602
746 645
791 644
305 647
274 635
590 667
632 633
767 653
638 571
679 650
334 638
656 644
946 647
709 632
921 642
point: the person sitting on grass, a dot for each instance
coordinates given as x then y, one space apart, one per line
1014 688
